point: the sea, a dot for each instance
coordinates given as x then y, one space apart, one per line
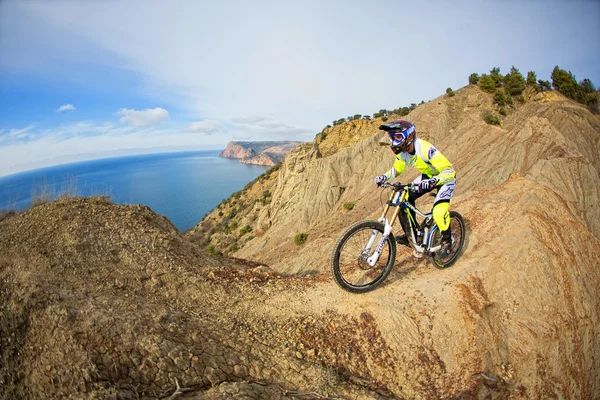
183 186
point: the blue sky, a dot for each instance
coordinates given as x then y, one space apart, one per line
89 79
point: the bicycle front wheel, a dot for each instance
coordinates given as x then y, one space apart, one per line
349 265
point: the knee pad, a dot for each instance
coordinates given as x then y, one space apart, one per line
441 216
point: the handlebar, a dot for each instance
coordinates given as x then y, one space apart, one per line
398 185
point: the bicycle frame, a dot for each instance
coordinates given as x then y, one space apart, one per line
399 200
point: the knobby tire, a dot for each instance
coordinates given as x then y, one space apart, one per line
457 226
350 269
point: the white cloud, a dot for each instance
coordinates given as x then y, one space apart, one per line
247 120
207 126
269 127
13 135
66 107
309 65
87 140
143 118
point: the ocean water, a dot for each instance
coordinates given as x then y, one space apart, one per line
181 186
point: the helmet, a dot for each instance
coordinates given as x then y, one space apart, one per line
402 133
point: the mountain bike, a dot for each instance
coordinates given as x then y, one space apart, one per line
366 252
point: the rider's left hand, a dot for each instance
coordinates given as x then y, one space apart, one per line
426 185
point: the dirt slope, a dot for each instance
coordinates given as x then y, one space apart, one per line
549 139
109 301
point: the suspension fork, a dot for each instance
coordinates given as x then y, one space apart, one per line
395 199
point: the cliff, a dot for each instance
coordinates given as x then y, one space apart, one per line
258 153
108 301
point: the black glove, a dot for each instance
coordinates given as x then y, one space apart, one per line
426 185
380 180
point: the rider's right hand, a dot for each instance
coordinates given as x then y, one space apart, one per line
380 180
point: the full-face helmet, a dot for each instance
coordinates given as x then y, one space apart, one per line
402 133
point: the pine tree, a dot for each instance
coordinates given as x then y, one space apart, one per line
487 83
495 75
544 85
532 80
473 78
564 82
515 83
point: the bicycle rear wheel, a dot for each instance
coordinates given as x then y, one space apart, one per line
349 265
457 227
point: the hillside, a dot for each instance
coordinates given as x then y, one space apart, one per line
548 139
258 153
108 301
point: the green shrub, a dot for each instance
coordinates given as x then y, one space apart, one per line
586 93
500 98
384 118
245 230
211 249
473 78
250 237
487 84
509 100
544 85
532 80
502 111
300 238
449 92
496 77
491 119
349 205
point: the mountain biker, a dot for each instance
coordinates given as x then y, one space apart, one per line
436 170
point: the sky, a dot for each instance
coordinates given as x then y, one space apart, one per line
91 79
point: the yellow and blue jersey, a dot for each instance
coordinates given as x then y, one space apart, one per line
428 160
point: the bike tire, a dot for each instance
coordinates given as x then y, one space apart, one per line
458 228
348 262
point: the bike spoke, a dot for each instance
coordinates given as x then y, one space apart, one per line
353 261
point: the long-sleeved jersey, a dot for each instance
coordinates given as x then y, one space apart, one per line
427 160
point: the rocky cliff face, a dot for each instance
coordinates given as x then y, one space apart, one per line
258 153
102 300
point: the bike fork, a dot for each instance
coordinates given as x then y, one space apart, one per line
386 233
387 230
